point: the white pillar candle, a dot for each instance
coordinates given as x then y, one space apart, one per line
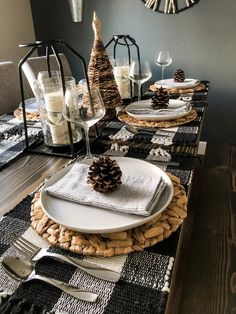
122 80
58 126
54 101
59 134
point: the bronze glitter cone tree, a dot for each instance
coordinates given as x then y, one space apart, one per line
100 72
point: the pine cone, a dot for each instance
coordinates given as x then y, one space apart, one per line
160 99
104 175
179 76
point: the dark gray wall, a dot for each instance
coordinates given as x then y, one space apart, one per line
201 40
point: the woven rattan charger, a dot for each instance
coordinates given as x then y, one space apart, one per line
30 116
117 243
124 117
199 87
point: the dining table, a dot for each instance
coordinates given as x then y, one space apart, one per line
151 270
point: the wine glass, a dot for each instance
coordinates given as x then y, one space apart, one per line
83 106
163 60
139 72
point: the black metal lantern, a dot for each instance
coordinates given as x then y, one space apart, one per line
128 42
49 46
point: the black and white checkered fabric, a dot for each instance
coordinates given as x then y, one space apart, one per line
143 288
185 135
146 276
12 138
183 171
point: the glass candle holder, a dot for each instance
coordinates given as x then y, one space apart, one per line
50 98
121 70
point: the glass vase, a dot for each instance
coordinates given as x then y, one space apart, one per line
50 98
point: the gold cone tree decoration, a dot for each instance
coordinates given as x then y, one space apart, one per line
100 71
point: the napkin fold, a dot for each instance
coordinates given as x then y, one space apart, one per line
136 195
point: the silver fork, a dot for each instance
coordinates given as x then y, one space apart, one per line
138 130
34 253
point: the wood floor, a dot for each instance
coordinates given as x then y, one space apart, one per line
209 275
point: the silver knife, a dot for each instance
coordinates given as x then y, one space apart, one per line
164 163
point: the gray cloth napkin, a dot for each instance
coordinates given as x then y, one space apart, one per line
136 195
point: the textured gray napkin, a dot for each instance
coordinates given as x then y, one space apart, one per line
136 195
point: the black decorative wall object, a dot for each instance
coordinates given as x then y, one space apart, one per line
169 6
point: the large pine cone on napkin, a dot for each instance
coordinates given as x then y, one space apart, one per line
104 175
160 99
179 76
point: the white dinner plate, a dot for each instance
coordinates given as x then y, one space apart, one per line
142 110
89 219
31 105
169 83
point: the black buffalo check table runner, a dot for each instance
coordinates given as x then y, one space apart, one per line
146 276
143 288
174 139
163 158
12 138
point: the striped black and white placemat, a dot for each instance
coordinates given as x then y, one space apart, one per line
160 156
146 276
12 138
183 135
143 288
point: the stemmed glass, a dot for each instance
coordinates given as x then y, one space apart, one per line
83 106
163 60
139 72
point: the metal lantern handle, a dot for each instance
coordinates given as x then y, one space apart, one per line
124 40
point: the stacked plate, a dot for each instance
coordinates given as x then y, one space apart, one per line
142 110
91 219
169 83
31 106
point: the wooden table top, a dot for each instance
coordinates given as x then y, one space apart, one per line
23 176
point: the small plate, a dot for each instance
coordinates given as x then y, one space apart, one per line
90 219
31 105
169 83
142 110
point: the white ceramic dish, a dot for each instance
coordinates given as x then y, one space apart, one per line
31 105
90 219
169 83
142 110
